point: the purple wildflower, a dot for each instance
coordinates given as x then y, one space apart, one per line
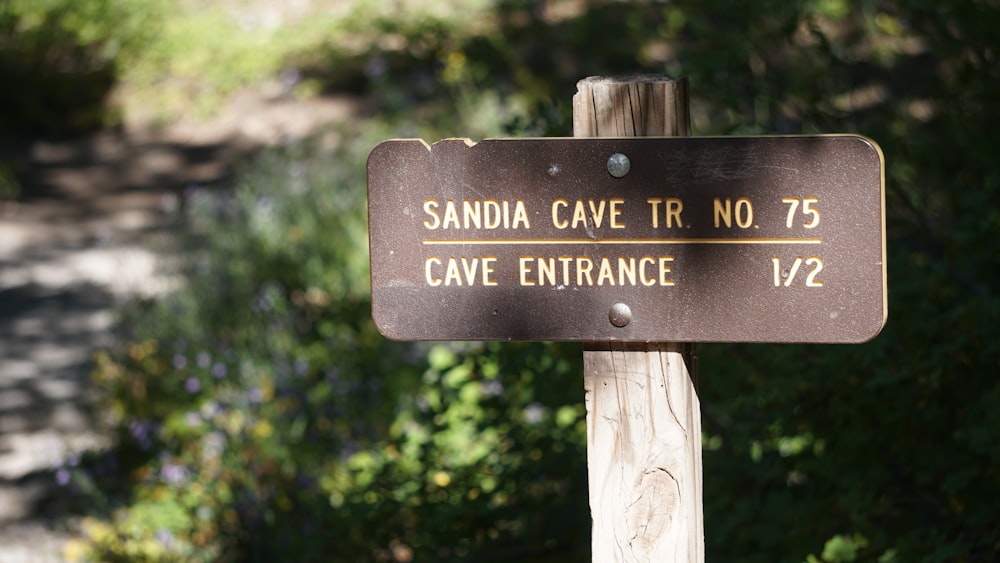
164 536
141 431
255 395
219 371
172 474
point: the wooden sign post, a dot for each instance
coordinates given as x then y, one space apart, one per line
638 244
643 414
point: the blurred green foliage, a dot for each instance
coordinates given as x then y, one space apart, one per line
10 188
60 60
260 416
260 406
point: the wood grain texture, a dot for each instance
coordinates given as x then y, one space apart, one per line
631 106
643 413
643 453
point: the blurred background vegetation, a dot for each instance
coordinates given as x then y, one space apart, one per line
258 415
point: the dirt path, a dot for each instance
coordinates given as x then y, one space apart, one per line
87 235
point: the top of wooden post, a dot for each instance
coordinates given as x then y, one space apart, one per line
631 106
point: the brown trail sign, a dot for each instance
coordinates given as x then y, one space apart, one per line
633 246
729 239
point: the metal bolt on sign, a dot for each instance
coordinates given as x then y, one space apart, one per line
620 315
619 165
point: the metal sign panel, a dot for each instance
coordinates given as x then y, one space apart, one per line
730 239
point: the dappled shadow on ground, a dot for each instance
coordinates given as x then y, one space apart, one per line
48 330
92 227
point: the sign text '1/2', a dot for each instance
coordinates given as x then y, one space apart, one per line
758 239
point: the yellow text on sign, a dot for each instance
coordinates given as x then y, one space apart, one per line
586 271
460 271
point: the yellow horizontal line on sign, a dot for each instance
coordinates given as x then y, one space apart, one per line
437 242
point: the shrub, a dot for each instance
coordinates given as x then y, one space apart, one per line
265 417
60 59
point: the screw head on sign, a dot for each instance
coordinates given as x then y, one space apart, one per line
619 165
620 315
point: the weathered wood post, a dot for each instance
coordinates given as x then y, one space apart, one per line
643 414
782 239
